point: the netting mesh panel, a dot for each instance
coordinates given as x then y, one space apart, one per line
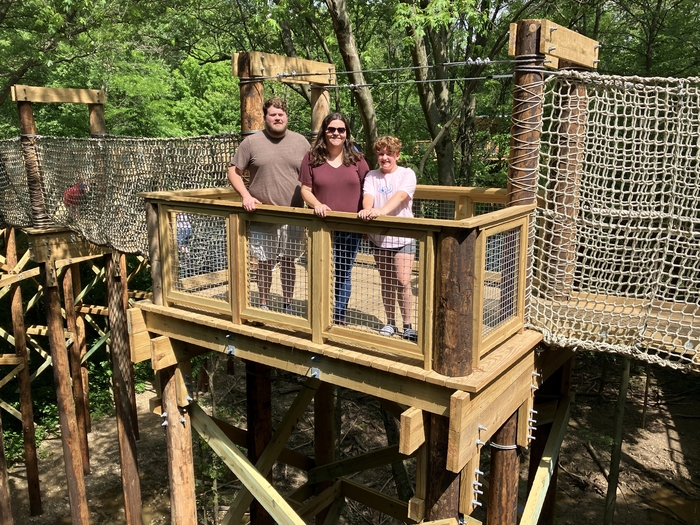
90 185
379 289
617 248
15 208
500 279
276 268
199 254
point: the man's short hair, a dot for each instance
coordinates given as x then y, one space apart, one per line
275 102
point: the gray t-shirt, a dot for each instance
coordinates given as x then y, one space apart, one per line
274 166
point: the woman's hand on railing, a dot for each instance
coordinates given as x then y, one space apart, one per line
369 214
321 209
250 202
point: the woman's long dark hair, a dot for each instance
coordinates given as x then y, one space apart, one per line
319 151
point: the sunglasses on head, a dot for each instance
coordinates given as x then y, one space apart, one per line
331 129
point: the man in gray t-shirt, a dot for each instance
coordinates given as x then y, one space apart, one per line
272 157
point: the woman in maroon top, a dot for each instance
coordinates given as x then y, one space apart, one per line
332 174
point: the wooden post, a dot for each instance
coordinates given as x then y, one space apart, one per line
154 252
252 118
442 491
120 376
5 499
75 365
557 384
452 356
25 382
527 114
66 407
124 276
178 433
453 336
27 129
259 415
98 127
325 435
82 345
320 106
567 161
502 502
611 495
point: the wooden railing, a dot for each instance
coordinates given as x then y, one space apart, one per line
208 265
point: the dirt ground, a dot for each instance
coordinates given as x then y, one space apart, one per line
659 479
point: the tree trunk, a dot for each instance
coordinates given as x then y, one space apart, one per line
346 41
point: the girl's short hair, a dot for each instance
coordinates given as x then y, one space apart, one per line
391 144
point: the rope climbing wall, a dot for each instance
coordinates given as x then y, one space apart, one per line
617 248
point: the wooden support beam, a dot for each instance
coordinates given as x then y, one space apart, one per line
267 458
455 341
326 430
167 352
368 460
374 499
239 436
76 365
292 70
502 499
412 433
474 418
80 514
183 502
5 500
122 386
414 391
547 465
57 95
139 338
255 482
320 502
10 359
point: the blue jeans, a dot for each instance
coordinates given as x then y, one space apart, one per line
345 245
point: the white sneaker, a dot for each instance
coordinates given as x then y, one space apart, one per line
389 330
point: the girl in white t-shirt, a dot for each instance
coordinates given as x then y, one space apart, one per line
389 191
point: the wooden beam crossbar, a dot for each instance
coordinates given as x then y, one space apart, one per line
234 459
548 463
373 459
267 459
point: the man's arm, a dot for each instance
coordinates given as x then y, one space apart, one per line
236 180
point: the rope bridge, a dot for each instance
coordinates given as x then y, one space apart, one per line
617 237
90 185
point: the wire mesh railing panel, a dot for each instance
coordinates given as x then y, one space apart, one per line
199 255
277 262
482 208
15 205
376 292
501 275
616 259
434 209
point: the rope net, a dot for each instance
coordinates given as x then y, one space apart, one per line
90 185
617 238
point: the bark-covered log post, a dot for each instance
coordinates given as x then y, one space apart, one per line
121 362
70 436
75 364
25 382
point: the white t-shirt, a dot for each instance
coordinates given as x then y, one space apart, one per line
383 186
